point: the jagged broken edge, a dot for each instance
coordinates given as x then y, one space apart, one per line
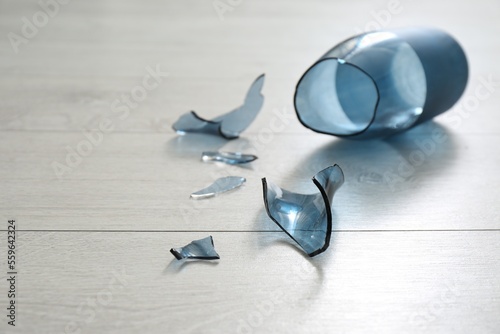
179 257
219 128
210 122
327 208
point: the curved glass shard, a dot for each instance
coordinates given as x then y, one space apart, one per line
229 125
219 186
202 249
230 158
306 218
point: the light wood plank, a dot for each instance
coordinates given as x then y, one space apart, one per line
394 282
147 178
418 257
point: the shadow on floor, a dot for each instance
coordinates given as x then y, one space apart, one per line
378 173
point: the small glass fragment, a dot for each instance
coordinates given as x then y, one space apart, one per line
306 218
202 249
230 158
229 125
219 186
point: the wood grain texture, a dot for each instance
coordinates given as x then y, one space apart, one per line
148 178
407 282
416 236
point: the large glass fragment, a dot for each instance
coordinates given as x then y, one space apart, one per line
383 82
230 158
229 125
220 185
306 218
202 249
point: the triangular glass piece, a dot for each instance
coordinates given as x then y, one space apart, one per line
202 249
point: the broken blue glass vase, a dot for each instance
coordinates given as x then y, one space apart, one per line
380 83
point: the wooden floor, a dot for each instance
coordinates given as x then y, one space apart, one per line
416 240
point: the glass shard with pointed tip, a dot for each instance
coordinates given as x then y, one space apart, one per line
230 158
306 218
202 249
229 125
220 185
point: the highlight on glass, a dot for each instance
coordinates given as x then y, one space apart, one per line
380 83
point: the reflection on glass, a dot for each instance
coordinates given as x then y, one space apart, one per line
306 218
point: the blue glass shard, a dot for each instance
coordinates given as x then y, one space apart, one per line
220 185
306 218
229 125
230 158
202 249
